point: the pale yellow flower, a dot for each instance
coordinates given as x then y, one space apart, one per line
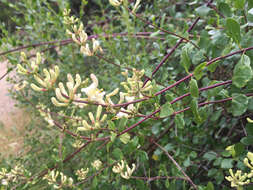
93 93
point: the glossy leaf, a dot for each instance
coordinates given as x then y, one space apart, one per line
233 29
198 71
194 91
242 72
166 110
239 104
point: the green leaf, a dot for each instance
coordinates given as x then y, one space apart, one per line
179 121
113 136
239 4
194 109
242 72
239 104
125 138
122 123
198 71
111 125
239 149
185 58
249 128
194 90
210 155
247 140
233 30
117 153
203 10
148 72
209 186
227 163
224 8
166 110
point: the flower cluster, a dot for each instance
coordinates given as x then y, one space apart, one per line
48 82
16 174
82 174
64 97
45 113
238 180
124 170
79 36
93 93
117 3
31 67
66 182
96 164
95 122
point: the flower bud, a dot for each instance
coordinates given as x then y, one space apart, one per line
58 104
99 111
36 88
38 58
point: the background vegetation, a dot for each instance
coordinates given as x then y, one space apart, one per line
198 55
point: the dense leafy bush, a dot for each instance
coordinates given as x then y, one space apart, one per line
143 95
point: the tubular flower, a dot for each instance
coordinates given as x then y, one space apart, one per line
67 19
64 180
136 5
115 3
119 168
249 161
32 67
237 179
49 80
79 36
95 122
134 85
97 164
20 86
82 173
128 173
93 93
72 86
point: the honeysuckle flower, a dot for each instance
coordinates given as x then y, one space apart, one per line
49 80
72 86
82 173
119 167
93 93
136 5
249 161
237 179
128 173
33 66
122 114
134 85
20 86
97 164
95 122
249 120
115 3
67 19
77 144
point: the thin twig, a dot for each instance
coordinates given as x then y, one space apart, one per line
177 165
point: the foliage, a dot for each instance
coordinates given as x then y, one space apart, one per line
143 95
